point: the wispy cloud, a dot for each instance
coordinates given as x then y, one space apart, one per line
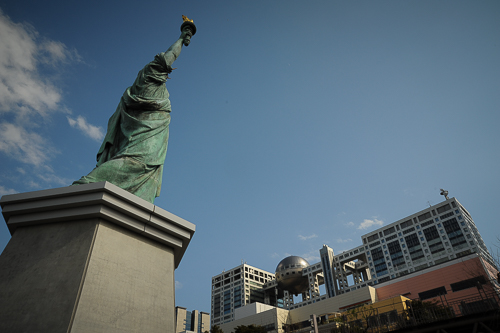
23 90
93 132
178 285
370 223
350 224
311 257
4 191
54 179
29 97
340 240
307 237
23 145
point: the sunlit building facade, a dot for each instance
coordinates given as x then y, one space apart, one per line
235 288
406 257
191 321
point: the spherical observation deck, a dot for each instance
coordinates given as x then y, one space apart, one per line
289 275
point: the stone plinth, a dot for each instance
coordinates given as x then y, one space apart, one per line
89 258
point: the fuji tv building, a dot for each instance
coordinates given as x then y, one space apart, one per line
434 253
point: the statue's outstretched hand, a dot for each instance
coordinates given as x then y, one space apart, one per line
186 36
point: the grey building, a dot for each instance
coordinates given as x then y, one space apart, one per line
429 237
191 321
435 235
235 288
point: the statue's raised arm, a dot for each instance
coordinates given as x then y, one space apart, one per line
134 148
188 29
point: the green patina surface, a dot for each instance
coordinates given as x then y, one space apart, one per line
134 148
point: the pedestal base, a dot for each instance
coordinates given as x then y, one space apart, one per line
73 266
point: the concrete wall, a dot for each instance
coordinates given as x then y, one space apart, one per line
251 309
280 316
275 316
334 304
121 291
41 272
89 258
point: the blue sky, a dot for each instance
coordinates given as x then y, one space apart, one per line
294 124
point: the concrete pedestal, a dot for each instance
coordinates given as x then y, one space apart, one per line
89 258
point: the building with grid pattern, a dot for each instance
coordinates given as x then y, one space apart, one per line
436 239
235 288
432 236
191 321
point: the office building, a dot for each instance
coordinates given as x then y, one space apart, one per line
434 252
191 321
235 288
432 236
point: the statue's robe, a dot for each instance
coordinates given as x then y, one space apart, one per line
134 148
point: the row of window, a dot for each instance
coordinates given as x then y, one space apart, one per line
464 284
413 221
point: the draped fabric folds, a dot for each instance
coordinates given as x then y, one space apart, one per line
134 148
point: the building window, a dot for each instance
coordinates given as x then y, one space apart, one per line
432 293
470 283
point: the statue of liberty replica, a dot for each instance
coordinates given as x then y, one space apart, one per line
134 148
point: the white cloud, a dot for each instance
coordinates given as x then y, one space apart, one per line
4 191
275 255
53 179
307 237
340 240
91 131
54 52
33 184
311 257
29 96
178 285
24 146
22 89
350 224
370 223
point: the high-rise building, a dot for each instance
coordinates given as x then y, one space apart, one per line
191 321
429 237
235 288
441 239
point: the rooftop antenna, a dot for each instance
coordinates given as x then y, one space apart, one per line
445 193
